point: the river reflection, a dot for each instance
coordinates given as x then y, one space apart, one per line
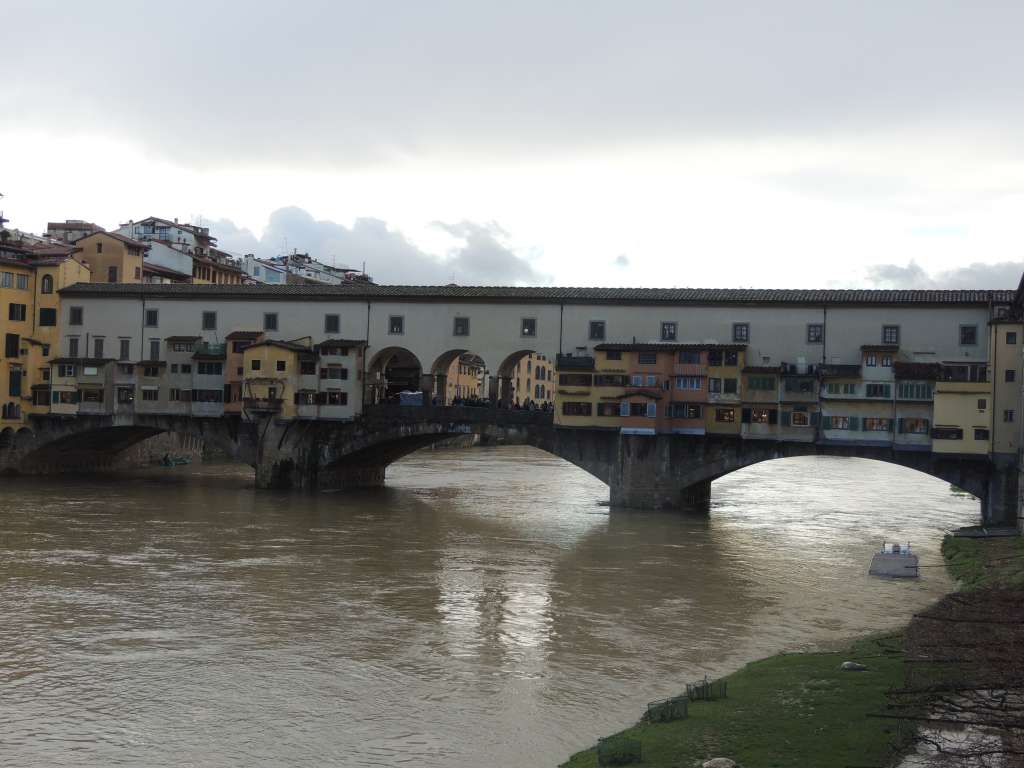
483 609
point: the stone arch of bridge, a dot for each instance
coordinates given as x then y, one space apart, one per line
507 374
448 382
392 370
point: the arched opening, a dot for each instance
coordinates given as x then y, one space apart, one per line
526 379
6 438
392 371
460 377
47 284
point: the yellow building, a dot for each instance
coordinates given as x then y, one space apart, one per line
963 409
533 380
1005 340
30 279
112 258
217 268
465 378
724 390
279 376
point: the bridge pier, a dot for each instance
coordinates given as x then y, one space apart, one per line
999 505
646 477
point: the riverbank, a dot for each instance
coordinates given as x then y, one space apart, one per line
802 709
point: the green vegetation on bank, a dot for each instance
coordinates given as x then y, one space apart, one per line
982 563
789 710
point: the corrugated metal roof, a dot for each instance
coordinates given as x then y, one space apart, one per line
542 294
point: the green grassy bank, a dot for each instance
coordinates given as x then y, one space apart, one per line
984 563
789 710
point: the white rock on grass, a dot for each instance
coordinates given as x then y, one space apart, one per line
719 762
852 666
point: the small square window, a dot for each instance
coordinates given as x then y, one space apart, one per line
255 365
396 325
529 326
968 335
1008 415
815 333
209 321
890 334
982 404
75 315
270 321
1011 375
1011 337
282 365
669 331
741 332
597 330
332 323
461 326
152 318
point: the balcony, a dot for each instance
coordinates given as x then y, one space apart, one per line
263 404
213 351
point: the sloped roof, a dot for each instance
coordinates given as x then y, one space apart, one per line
568 295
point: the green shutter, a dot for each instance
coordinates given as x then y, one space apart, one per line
854 423
786 418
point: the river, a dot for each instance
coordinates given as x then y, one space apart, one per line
485 609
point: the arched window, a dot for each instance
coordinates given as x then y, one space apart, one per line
47 283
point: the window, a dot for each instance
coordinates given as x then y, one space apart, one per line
870 360
174 367
47 286
574 379
800 419
815 333
151 395
65 398
111 273
872 424
186 367
1010 375
209 321
270 321
576 409
890 334
46 350
138 273
726 415
638 409
217 395
529 326
763 416
332 323
1008 415
799 385
99 247
840 422
982 403
689 357
47 316
613 354
181 346
75 316
913 426
151 371
16 312
647 358
282 365
7 280
610 380
210 369
97 347
714 357
21 282
597 330
240 346
307 367
608 409
152 318
126 395
255 365
947 433
761 383
396 325
684 410
668 331
841 388
72 346
729 386
460 327
126 370
887 361
1011 337
877 390
714 385
914 390
741 332
731 357
980 433
90 395
174 394
693 383
968 335
66 371
154 349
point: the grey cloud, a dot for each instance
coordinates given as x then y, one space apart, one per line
482 257
1004 275
345 83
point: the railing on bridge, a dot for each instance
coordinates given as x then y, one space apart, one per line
457 413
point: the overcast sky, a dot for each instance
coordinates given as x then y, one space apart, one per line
800 144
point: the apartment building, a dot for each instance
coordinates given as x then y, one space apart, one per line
112 257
